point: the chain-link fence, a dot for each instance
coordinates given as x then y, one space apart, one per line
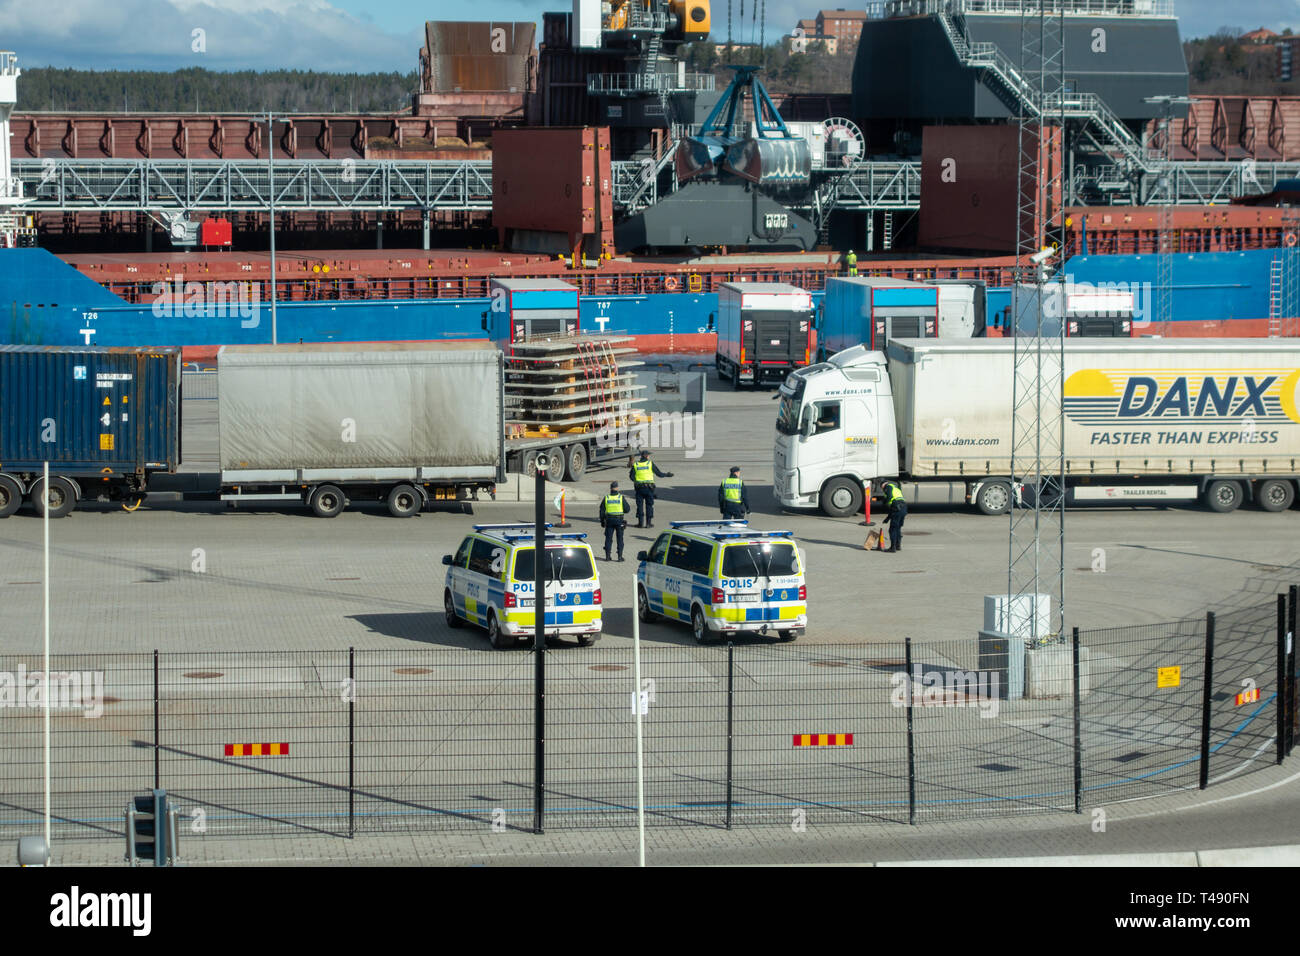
348 742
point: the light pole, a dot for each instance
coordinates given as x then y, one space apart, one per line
270 187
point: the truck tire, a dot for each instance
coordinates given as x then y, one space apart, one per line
577 461
1223 496
62 497
841 497
994 498
1275 494
11 496
404 501
449 606
555 470
327 501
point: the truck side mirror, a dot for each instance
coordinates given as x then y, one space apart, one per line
446 559
809 427
640 556
710 321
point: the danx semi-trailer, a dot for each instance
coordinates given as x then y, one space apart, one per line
1145 420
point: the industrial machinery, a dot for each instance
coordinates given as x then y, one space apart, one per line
739 183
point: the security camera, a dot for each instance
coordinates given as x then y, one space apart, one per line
1042 255
542 462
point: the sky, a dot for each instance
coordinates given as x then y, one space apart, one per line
374 35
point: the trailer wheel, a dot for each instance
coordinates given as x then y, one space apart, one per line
327 501
994 498
1223 496
577 459
1272 495
62 498
404 501
555 469
11 496
841 497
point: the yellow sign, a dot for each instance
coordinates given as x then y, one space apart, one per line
105 442
107 402
1169 676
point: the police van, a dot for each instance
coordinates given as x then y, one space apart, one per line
490 582
724 578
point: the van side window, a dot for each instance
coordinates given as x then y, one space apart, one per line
660 548
462 553
827 417
698 555
677 551
481 558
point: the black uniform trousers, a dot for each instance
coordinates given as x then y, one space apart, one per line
896 518
645 501
733 509
611 529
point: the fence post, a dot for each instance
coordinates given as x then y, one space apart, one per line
911 750
1290 668
731 703
352 741
156 741
1078 739
1281 678
1205 699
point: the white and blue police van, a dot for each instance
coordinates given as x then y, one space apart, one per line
491 579
721 577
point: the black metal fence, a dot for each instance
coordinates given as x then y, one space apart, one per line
348 742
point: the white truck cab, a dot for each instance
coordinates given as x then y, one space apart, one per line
834 430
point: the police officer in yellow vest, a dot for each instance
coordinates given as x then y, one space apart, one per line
643 472
733 497
851 261
897 514
613 518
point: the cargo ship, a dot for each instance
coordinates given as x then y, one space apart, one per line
613 169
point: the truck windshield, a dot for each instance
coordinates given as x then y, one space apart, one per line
744 560
573 566
787 415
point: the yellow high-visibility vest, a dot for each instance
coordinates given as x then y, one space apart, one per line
731 490
644 471
613 506
895 493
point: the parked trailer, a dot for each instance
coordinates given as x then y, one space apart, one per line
1146 421
106 420
765 329
406 424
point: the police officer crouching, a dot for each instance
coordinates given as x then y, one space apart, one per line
733 497
897 515
613 518
642 473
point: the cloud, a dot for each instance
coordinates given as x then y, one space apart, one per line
235 34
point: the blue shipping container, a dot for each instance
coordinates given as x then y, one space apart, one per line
101 413
863 310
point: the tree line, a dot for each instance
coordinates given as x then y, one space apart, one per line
209 91
1219 63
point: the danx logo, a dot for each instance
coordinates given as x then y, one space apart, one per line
1112 397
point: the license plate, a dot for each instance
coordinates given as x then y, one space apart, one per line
749 598
525 602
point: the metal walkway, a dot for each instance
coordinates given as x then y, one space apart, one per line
77 185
